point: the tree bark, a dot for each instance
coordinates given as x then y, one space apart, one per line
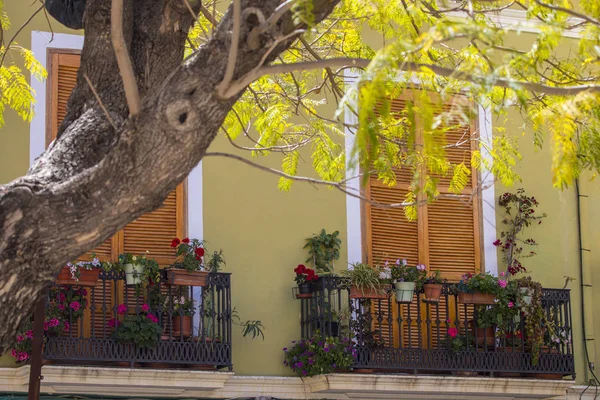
93 179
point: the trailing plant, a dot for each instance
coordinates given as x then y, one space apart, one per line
319 355
250 327
482 283
216 261
402 272
507 305
363 276
141 329
76 266
304 275
24 341
190 254
536 324
323 250
520 214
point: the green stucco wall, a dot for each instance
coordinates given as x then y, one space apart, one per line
262 230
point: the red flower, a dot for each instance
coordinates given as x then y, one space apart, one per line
175 242
310 273
497 242
452 332
300 269
199 253
185 241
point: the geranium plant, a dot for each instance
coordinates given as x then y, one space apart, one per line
67 302
319 355
457 341
22 350
190 254
481 283
304 275
520 211
141 329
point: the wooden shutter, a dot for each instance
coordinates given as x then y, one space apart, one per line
445 235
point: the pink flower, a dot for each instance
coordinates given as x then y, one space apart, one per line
511 304
113 322
29 334
502 274
497 242
67 326
452 332
46 326
14 353
145 308
20 338
502 284
75 305
23 356
61 307
54 322
62 296
122 309
152 318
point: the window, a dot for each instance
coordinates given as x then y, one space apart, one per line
152 231
446 235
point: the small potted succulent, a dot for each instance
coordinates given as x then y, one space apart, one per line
183 310
432 287
80 273
140 329
406 279
188 269
319 355
366 282
305 279
478 288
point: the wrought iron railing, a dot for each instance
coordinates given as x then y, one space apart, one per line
443 336
87 335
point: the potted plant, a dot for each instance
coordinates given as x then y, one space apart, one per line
135 268
140 329
188 269
406 279
67 303
477 289
80 273
24 341
483 327
183 309
323 250
536 322
365 282
319 355
305 278
432 287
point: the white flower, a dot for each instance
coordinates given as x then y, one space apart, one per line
404 262
421 267
134 258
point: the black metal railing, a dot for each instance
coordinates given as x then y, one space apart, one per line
197 338
443 336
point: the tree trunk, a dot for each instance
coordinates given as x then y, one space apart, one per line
94 179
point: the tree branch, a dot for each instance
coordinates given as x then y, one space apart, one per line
222 88
118 40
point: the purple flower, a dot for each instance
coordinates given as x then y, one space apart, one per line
299 364
326 349
320 344
311 361
334 365
304 372
285 349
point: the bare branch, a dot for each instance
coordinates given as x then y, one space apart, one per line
12 39
93 89
132 93
208 15
223 87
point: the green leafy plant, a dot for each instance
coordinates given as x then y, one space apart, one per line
520 211
363 276
190 254
457 341
402 272
323 250
67 302
253 328
141 329
319 355
216 261
181 305
536 324
482 283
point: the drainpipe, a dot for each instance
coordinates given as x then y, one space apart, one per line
585 279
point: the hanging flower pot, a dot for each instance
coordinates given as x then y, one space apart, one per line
476 298
433 292
379 292
78 275
526 295
133 273
405 291
305 288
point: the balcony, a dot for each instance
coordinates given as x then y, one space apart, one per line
416 337
202 341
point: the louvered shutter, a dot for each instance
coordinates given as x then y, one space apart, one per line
445 235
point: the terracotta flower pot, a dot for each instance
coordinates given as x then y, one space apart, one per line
181 277
182 325
476 298
433 292
379 292
87 277
485 336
